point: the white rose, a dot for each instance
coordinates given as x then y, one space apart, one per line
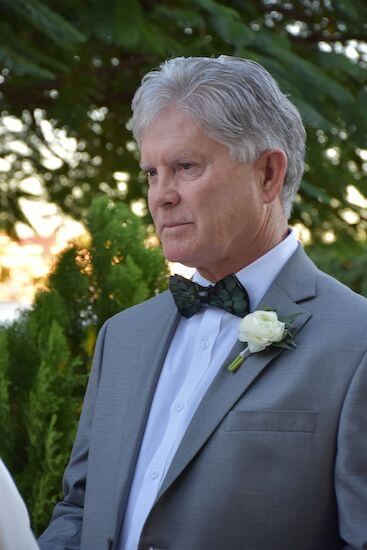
261 329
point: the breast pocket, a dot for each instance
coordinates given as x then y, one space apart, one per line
271 421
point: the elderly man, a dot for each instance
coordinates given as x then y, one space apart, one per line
193 439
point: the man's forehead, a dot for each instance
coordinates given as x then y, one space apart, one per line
174 121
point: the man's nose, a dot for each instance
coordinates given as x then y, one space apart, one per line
166 192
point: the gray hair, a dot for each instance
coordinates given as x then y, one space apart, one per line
235 101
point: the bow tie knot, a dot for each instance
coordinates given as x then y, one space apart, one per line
227 294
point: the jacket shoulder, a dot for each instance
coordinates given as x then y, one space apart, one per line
339 295
152 307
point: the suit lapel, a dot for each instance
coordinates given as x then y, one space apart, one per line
156 327
228 387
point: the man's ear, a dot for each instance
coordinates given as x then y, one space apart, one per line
273 167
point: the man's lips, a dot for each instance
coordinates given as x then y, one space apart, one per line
172 225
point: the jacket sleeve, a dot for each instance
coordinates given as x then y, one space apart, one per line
351 463
64 530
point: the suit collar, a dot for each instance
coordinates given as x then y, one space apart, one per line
297 279
259 275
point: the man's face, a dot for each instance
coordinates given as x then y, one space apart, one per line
208 210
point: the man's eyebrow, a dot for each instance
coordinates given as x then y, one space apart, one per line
177 157
184 153
145 166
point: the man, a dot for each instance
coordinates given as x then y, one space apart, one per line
173 450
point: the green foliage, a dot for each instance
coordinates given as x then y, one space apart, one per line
77 65
126 251
45 20
5 411
50 412
45 355
347 264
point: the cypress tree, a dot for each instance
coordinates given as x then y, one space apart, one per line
45 355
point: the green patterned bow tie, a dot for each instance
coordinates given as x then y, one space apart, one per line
228 294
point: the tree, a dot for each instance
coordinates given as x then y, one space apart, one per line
45 355
70 69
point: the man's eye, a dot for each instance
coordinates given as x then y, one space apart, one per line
186 165
150 173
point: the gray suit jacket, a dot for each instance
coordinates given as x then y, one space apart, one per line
275 457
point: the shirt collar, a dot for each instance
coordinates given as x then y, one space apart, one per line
258 276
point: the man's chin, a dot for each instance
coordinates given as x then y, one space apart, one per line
173 256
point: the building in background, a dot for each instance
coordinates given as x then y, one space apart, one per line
24 264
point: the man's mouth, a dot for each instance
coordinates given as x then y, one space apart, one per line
173 225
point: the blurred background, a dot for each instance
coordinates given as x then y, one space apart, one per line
76 240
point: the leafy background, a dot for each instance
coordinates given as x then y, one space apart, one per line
77 63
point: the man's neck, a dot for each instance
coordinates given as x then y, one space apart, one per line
237 262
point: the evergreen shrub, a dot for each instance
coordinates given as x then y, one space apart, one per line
45 354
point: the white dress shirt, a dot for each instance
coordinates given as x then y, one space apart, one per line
197 351
15 531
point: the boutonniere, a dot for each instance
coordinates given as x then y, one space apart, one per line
260 330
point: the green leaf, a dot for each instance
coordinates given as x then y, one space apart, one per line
227 22
310 115
315 192
290 318
282 345
47 21
340 63
181 16
22 66
129 18
307 72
